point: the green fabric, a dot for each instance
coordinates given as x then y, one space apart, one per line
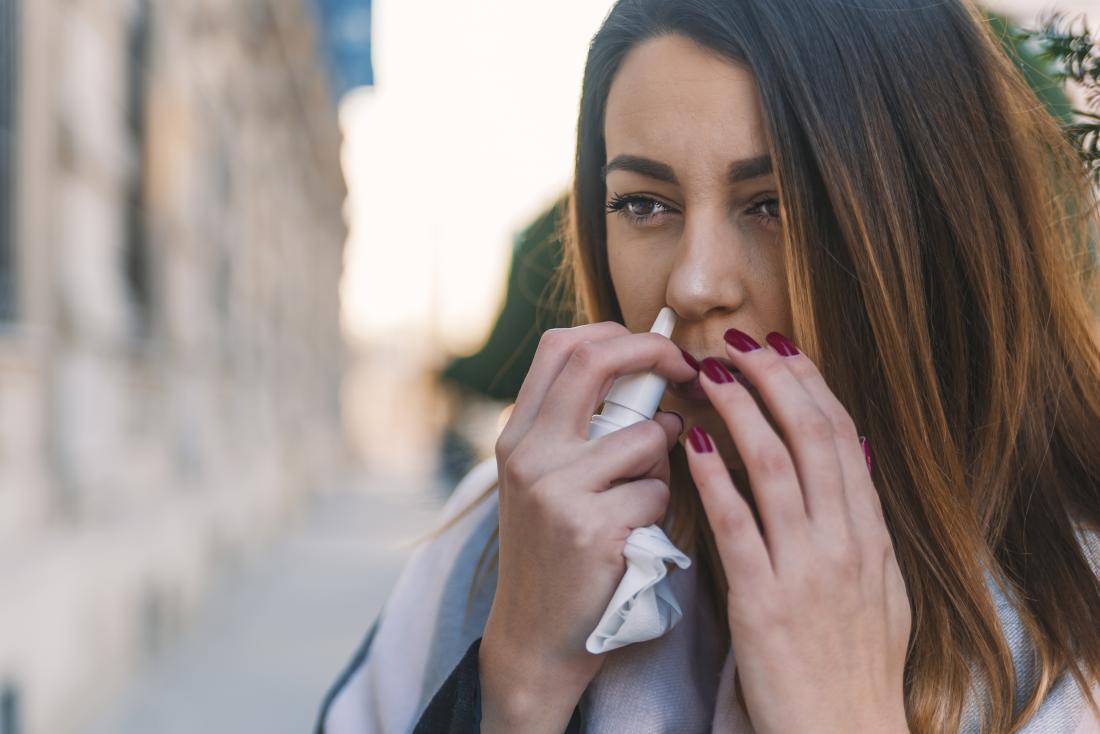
497 370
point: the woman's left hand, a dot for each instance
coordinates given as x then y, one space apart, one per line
818 613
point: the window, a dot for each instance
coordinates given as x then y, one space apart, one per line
9 78
9 700
136 265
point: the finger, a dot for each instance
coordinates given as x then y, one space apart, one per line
593 367
859 497
770 467
637 451
876 500
809 433
744 555
673 423
635 504
897 597
554 349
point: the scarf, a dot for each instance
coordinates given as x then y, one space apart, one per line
670 684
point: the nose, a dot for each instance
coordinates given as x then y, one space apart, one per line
709 270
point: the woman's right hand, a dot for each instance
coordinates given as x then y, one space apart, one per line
566 507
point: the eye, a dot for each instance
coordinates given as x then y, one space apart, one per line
637 209
766 210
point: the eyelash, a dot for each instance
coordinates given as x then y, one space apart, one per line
619 204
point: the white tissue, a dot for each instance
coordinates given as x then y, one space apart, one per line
643 606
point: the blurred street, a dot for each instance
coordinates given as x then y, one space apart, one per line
272 639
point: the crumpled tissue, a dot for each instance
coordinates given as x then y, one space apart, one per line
643 606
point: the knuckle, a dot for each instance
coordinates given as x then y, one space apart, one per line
770 460
503 448
803 368
661 493
845 560
653 435
587 355
807 372
553 340
542 496
776 609
764 378
518 471
737 399
563 338
751 615
732 400
582 536
817 427
843 425
878 538
730 524
664 469
815 582
509 471
654 499
772 366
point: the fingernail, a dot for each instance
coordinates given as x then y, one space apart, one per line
716 371
740 341
683 423
866 451
690 360
782 344
700 440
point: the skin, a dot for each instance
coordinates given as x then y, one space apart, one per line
709 250
819 619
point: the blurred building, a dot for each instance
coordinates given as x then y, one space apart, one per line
170 358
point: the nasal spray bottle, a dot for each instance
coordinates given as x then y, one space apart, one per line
643 606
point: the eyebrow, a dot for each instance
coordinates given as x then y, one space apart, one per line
742 170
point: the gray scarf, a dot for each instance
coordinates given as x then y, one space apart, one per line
663 686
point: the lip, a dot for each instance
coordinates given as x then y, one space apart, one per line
693 391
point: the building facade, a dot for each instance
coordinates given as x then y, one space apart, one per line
171 240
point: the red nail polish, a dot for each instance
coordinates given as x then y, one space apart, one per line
716 371
692 362
740 341
782 344
866 451
700 440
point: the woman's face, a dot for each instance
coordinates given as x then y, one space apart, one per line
693 209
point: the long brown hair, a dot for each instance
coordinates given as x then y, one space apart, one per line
939 234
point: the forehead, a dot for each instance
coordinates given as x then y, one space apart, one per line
674 100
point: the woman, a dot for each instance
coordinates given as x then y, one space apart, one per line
867 227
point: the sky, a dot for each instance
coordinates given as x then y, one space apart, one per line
467 136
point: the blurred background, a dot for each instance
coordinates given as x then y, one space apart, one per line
271 272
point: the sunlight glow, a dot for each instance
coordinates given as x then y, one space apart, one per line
467 136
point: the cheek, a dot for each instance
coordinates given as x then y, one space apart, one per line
779 306
769 291
639 277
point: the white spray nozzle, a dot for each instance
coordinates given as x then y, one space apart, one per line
665 322
634 398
